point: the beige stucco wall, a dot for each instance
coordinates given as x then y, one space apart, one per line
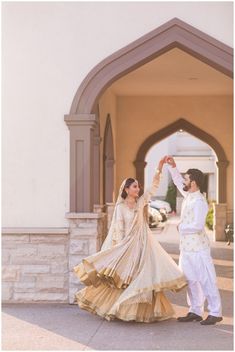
139 117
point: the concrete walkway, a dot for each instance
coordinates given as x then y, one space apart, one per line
67 327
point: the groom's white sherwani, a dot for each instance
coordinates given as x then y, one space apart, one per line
195 259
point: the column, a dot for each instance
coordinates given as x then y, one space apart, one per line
140 165
81 127
222 180
219 220
96 174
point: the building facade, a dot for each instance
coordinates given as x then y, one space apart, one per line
88 89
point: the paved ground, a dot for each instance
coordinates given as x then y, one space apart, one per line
67 327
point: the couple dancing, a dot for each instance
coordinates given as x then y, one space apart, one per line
127 278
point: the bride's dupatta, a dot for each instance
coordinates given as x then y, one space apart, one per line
113 237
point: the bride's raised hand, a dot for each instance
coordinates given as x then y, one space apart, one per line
161 163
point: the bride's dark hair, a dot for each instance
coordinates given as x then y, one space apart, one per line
129 181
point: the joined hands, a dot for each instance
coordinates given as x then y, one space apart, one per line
167 159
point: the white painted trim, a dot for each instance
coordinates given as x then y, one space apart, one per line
35 230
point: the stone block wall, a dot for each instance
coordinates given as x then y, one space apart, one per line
35 265
86 237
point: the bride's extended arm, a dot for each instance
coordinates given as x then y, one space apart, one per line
151 191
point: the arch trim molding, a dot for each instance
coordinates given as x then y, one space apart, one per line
172 34
185 125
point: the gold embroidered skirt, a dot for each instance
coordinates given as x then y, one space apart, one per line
128 281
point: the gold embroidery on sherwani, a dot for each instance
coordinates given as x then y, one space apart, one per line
126 280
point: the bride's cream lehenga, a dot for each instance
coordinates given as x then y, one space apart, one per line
126 279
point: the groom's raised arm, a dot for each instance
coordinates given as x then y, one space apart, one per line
177 179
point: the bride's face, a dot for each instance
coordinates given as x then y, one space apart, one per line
133 189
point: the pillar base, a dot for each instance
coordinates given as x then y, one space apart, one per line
219 220
86 235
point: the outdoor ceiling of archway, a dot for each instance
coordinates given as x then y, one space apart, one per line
174 73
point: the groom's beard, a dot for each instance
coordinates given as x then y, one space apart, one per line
186 188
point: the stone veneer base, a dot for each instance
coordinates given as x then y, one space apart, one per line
37 263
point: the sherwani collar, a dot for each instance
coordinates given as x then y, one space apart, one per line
195 194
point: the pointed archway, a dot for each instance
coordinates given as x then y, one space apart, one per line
82 119
173 34
108 163
185 125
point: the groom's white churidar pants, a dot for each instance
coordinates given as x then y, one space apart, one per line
199 270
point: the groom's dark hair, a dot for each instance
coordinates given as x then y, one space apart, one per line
197 176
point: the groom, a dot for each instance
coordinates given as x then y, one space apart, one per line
195 258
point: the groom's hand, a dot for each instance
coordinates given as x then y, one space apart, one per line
170 161
162 162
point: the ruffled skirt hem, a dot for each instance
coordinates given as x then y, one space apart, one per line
127 281
100 301
94 277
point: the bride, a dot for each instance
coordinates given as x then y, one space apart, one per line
126 279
